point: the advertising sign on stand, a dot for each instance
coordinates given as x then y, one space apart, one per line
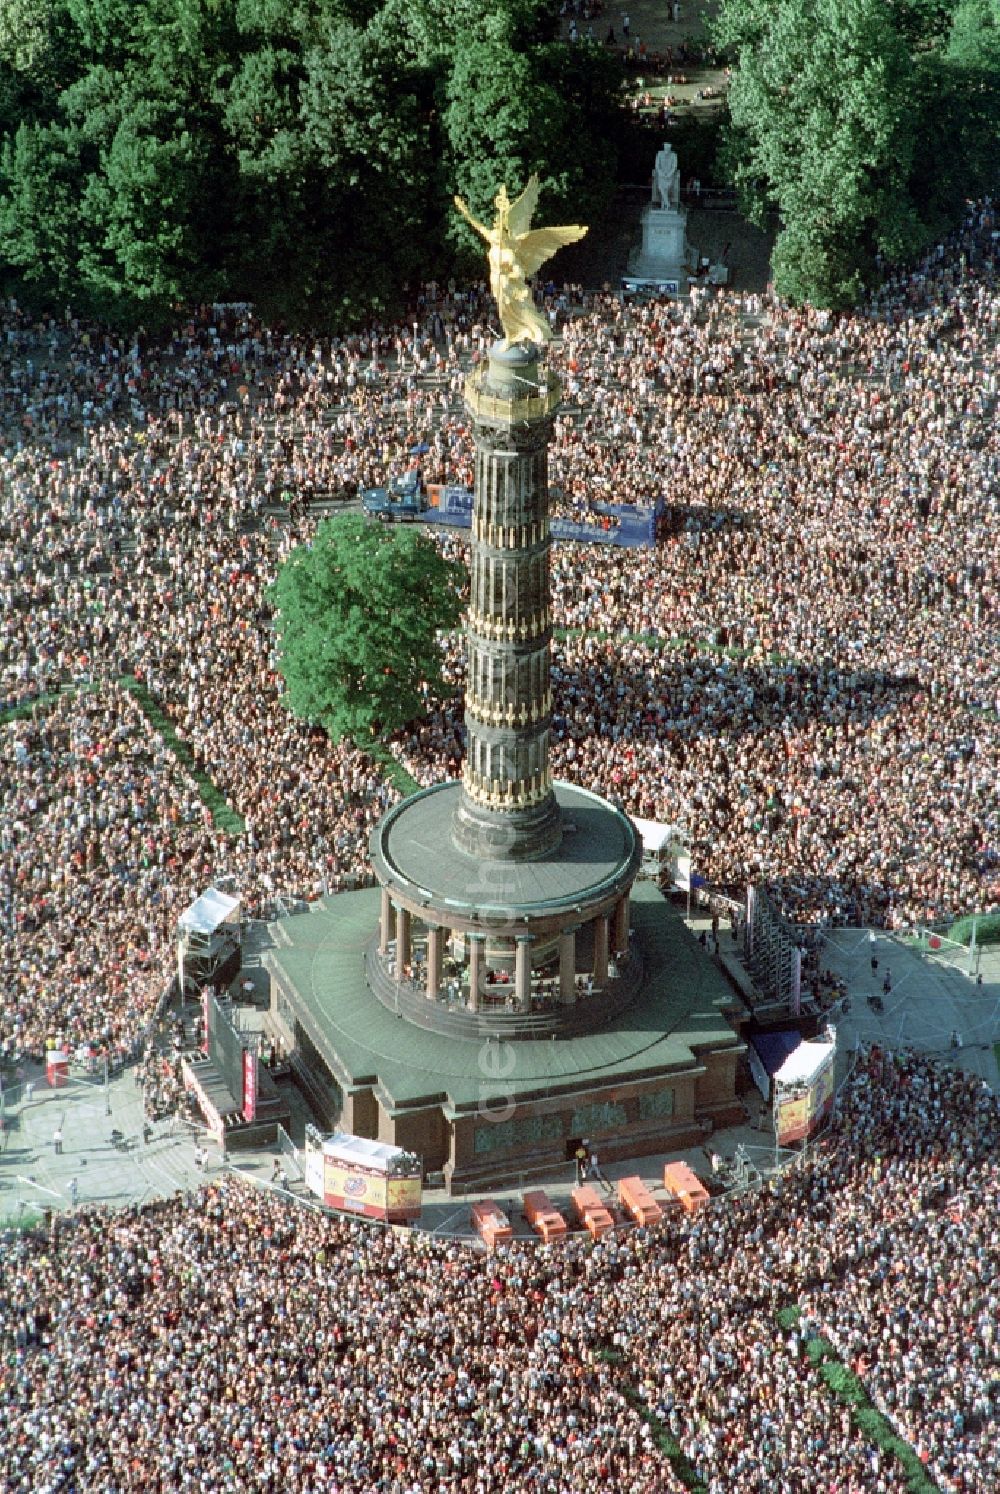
249 1084
364 1177
803 1091
791 1117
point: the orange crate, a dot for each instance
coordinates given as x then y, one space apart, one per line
540 1214
684 1185
590 1210
491 1223
636 1199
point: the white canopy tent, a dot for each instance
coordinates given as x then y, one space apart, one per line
803 1064
664 852
208 937
358 1151
209 912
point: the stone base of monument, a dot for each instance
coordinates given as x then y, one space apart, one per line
646 1065
664 256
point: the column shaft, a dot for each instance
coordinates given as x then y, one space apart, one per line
522 973
567 967
385 928
508 810
600 952
402 942
433 962
620 935
475 943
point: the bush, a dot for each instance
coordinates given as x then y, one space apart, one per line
987 929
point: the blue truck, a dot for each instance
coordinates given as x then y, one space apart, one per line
403 501
407 500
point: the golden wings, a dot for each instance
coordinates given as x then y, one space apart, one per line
516 251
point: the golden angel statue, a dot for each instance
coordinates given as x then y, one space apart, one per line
516 251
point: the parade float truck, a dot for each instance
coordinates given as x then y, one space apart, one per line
364 1177
406 499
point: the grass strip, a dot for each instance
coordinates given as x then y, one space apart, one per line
662 1435
17 1223
849 1389
393 769
987 929
224 817
27 708
959 932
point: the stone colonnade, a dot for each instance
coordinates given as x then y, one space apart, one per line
610 943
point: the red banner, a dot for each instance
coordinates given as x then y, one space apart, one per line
249 1084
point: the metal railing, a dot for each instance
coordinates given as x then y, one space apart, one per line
510 409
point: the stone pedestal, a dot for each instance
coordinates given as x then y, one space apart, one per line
665 253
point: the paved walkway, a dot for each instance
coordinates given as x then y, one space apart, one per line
931 999
651 25
33 1175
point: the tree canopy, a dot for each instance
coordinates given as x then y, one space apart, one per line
359 612
863 123
300 156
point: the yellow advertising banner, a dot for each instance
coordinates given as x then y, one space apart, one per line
823 1090
792 1119
404 1193
798 1115
347 1187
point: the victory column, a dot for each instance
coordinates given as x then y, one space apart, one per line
508 1005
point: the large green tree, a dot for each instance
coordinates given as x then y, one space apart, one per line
359 617
25 27
300 155
841 112
957 103
820 132
39 208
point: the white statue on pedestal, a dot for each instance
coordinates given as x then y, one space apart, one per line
666 179
665 255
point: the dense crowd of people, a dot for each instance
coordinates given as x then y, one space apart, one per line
802 672
233 1340
102 840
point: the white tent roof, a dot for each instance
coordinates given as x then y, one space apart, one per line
377 1155
207 912
655 836
804 1063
